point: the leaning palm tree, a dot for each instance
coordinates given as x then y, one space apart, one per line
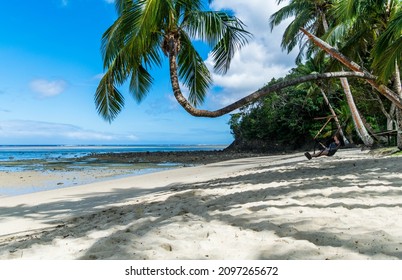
312 15
374 29
146 31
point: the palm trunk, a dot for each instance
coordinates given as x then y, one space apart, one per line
391 117
252 97
324 22
359 126
399 128
357 120
398 112
389 94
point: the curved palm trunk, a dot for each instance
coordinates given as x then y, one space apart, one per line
398 88
360 128
357 120
249 98
389 94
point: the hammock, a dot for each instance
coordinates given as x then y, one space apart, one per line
321 144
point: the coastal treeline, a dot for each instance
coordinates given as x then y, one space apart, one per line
366 31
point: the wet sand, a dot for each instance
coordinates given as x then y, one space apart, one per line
40 175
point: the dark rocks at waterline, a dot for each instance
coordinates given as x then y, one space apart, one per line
183 157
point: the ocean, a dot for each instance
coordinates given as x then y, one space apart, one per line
52 152
28 169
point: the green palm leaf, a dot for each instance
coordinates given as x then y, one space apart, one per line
388 48
108 99
193 72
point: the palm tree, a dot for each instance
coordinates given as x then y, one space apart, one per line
358 23
145 30
373 31
366 24
356 68
311 15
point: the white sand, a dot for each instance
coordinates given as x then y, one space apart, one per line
278 207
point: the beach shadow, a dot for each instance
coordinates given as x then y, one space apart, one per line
260 197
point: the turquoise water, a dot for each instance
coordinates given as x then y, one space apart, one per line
55 160
16 153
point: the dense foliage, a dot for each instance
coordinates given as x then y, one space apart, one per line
368 32
291 118
283 118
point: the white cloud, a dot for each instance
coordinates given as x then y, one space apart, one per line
98 76
47 88
64 3
258 62
56 132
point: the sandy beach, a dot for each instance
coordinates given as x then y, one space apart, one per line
345 207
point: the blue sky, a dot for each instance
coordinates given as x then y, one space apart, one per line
50 66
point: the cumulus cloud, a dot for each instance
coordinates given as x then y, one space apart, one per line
258 62
46 88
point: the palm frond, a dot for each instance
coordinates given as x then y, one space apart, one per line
121 5
211 27
333 35
223 32
193 72
292 35
388 48
385 64
185 7
346 9
282 14
140 83
108 99
124 29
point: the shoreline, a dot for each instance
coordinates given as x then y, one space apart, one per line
345 207
27 176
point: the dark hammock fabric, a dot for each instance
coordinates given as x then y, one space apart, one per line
332 148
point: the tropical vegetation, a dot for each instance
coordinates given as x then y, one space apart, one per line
331 35
358 29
